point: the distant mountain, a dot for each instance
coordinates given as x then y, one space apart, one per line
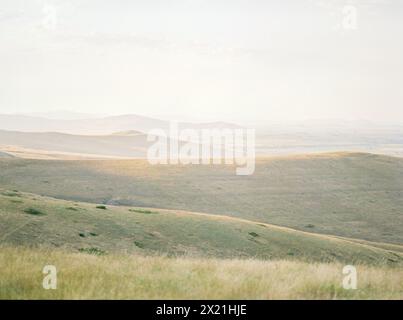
63 115
106 125
127 133
113 136
96 126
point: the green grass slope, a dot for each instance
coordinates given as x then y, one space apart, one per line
346 194
31 220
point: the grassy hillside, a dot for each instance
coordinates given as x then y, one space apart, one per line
31 220
82 276
346 194
113 145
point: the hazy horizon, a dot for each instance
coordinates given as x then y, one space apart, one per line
239 61
76 115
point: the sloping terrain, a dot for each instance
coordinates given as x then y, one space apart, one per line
31 220
346 194
5 155
120 144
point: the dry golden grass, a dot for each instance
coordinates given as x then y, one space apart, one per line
82 276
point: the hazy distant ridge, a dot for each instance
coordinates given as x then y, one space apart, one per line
95 126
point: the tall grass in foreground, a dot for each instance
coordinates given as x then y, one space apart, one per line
84 276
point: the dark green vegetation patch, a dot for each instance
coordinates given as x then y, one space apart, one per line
34 212
94 251
143 211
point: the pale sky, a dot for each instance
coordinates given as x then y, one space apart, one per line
233 60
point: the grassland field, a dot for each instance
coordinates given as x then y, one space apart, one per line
345 194
32 220
84 276
125 229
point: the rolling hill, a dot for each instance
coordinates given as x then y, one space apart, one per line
344 194
31 220
120 144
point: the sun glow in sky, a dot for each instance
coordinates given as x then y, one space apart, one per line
232 60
